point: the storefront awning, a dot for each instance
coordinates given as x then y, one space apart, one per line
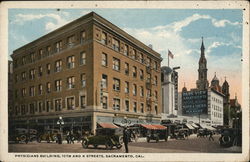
108 125
207 127
155 126
159 126
194 125
189 126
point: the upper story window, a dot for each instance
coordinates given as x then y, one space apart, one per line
83 101
48 87
23 60
148 93
133 55
48 50
104 81
155 65
104 38
48 68
32 57
83 80
115 44
58 104
134 89
40 54
104 102
48 106
116 84
23 92
32 74
148 63
116 104
58 65
71 62
126 87
58 85
141 91
148 77
58 46
155 80
32 91
126 68
141 58
126 105
104 59
40 71
141 74
142 108
71 103
71 41
16 78
125 50
24 75
135 106
40 89
134 71
83 36
83 58
156 95
71 82
116 64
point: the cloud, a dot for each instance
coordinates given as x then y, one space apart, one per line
54 20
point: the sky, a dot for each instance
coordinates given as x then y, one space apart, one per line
177 30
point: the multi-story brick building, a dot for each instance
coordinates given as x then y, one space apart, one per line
88 71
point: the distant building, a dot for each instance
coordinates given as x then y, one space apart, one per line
10 87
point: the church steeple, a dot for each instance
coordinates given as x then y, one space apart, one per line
202 82
225 91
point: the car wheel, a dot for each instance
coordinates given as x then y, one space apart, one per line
121 140
22 138
118 146
109 145
95 146
85 143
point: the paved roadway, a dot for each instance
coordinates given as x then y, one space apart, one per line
190 145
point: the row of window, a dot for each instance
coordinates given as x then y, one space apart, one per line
217 115
48 106
217 100
130 52
216 108
71 84
117 66
57 84
57 67
51 49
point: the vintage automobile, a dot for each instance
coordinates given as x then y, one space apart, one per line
230 137
109 137
22 135
181 133
157 132
48 135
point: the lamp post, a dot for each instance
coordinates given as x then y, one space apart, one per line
60 122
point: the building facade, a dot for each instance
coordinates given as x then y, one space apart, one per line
88 71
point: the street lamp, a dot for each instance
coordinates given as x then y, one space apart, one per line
60 122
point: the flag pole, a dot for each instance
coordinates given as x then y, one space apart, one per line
168 58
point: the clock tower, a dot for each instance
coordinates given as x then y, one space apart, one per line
202 82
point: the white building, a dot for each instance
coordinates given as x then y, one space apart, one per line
168 91
215 107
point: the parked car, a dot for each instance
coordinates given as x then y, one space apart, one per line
22 135
109 137
48 135
157 134
230 137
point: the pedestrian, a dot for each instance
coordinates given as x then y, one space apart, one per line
211 136
71 137
68 137
125 138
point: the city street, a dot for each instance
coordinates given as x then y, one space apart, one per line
190 145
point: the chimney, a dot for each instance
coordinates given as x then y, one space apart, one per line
150 46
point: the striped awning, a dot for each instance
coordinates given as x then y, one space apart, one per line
195 126
108 125
155 126
189 126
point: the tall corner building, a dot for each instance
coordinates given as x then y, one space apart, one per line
88 71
